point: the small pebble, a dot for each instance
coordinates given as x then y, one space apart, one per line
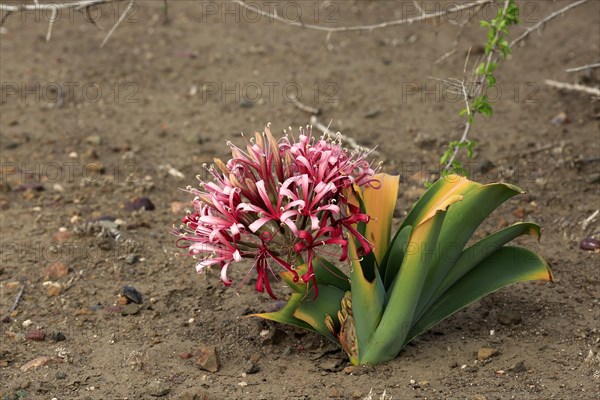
372 114
138 203
185 355
37 335
252 368
36 187
131 293
518 367
509 317
288 351
207 358
53 289
589 244
560 119
593 178
109 218
131 259
57 336
94 140
55 271
130 309
485 353
245 103
158 388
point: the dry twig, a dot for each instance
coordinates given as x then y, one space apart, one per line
478 90
550 17
17 299
573 87
387 24
305 108
586 222
346 139
121 18
521 37
584 67
54 8
454 44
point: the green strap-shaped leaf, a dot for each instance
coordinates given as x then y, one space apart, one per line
441 193
388 339
504 267
313 312
477 252
328 274
367 299
325 274
460 224
442 190
396 255
286 314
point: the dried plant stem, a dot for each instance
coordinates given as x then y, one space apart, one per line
345 139
56 7
477 93
121 18
36 6
583 67
521 37
17 299
380 25
573 87
550 17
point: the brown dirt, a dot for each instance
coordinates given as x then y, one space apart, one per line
145 120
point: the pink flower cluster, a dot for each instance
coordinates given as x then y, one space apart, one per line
277 203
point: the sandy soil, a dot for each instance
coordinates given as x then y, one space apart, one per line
168 96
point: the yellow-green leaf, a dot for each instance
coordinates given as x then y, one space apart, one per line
442 193
286 314
388 339
367 299
505 266
379 203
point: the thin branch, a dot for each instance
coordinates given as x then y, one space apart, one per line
573 87
52 6
17 299
56 7
51 24
550 17
305 108
584 67
586 222
454 45
121 18
478 90
521 37
346 139
380 25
